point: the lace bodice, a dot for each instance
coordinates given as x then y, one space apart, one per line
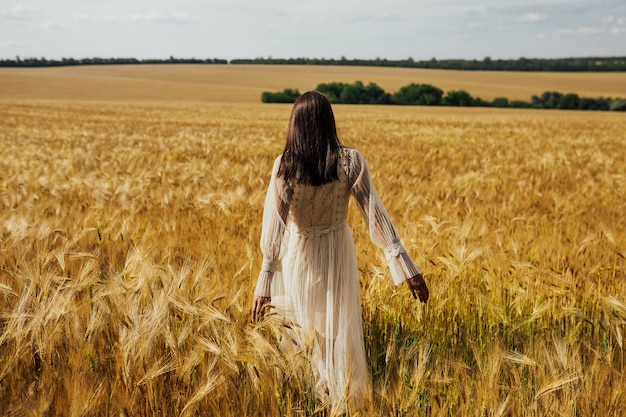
319 209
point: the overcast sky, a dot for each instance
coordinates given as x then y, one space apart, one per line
392 29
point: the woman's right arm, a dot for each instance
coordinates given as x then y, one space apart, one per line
275 211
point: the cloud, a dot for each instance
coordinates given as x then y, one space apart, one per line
18 12
617 25
53 26
564 7
617 21
588 30
10 44
583 6
620 26
582 31
383 17
156 17
532 17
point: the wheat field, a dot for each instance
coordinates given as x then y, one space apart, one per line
129 252
245 83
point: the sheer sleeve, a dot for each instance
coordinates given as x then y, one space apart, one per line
275 211
381 230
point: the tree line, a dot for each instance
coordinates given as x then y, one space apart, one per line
595 64
43 62
429 95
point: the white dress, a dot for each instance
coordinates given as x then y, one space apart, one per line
310 269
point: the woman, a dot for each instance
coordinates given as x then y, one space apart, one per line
309 268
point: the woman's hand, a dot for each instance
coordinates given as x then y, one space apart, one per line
259 307
418 288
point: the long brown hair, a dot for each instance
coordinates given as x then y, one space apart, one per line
312 149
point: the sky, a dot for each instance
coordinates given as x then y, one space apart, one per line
355 29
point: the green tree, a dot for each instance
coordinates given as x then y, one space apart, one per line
477 101
500 102
418 94
377 95
599 103
569 101
354 94
458 98
551 99
586 103
602 104
519 104
332 91
536 101
288 95
358 93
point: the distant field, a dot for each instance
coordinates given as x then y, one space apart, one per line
245 83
